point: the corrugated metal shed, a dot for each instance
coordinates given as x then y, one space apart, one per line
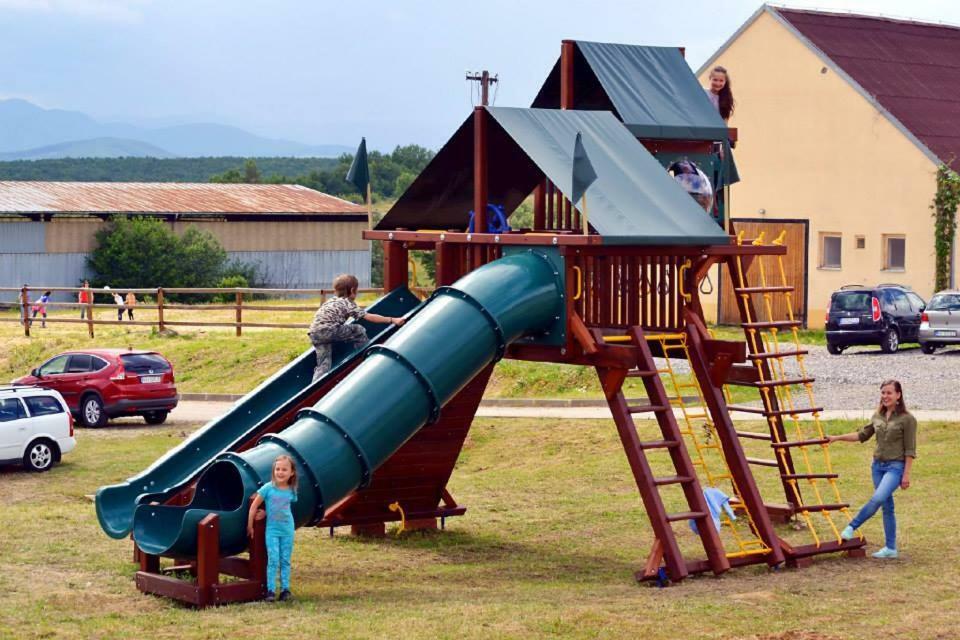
306 269
911 69
172 198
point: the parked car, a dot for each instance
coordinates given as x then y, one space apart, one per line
36 427
940 322
99 384
887 315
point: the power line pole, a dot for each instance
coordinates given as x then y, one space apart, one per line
485 80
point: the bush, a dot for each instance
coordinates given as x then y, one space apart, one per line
136 253
229 282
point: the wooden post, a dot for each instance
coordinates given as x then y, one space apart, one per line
25 309
480 170
540 206
148 562
258 554
239 313
394 265
446 272
208 556
566 74
90 308
160 326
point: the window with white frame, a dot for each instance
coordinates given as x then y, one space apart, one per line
830 251
894 253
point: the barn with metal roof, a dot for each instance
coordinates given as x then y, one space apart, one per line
299 237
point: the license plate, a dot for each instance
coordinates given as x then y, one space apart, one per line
847 321
149 379
944 333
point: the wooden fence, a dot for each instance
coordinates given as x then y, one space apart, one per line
242 300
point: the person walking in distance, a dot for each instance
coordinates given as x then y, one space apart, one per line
131 301
85 297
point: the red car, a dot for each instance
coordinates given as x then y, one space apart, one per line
99 384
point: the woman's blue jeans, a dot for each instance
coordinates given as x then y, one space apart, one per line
279 550
886 479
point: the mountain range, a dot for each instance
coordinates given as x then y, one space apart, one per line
29 132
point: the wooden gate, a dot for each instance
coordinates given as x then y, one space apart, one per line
795 264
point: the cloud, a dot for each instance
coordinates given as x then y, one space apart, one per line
110 10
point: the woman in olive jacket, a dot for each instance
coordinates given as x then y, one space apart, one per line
896 432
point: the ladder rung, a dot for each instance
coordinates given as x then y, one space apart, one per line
646 408
685 515
798 443
776 383
762 462
754 435
809 476
763 289
766 355
633 373
822 507
671 480
659 444
776 324
780 412
746 409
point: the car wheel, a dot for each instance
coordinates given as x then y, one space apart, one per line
890 341
40 455
834 349
155 417
928 347
91 412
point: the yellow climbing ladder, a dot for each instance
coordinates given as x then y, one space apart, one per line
780 370
703 442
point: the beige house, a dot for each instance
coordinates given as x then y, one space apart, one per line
843 120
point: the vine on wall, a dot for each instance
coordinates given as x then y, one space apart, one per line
944 206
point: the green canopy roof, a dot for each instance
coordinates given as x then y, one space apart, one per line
632 201
651 89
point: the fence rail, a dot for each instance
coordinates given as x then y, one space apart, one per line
28 306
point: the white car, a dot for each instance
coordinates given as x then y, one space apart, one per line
36 427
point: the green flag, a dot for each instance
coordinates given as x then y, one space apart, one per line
359 173
583 173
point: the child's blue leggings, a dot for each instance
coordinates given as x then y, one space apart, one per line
279 550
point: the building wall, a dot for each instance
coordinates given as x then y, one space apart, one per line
811 147
289 254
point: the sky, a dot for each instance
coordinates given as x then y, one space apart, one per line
321 72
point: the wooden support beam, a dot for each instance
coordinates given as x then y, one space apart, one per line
480 170
208 555
395 268
582 334
567 50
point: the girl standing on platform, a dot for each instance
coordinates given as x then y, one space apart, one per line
896 432
721 93
277 496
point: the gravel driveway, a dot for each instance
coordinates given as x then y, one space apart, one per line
852 380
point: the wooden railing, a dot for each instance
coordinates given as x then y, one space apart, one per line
242 300
622 290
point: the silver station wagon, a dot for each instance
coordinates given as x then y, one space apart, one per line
940 322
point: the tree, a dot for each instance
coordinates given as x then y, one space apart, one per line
145 252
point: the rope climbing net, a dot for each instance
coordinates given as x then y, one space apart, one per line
703 443
781 372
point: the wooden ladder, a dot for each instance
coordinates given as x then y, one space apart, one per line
671 439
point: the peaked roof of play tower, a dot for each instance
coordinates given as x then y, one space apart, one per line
632 201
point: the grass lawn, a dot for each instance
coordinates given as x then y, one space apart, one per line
548 548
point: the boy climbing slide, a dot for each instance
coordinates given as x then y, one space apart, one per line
329 323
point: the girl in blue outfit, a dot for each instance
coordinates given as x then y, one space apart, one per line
277 496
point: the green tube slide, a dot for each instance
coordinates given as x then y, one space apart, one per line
400 386
250 416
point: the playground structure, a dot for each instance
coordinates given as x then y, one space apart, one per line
612 285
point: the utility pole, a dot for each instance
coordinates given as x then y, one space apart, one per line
485 80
